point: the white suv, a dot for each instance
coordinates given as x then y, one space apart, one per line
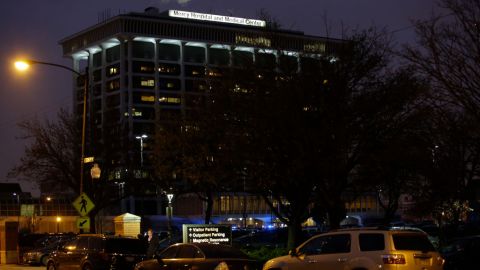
362 249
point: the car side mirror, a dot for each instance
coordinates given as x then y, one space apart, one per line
160 261
293 252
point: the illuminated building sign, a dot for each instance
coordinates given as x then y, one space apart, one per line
207 233
215 18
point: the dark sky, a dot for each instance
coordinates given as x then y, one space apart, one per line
32 29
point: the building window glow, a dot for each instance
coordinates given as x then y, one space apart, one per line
254 41
135 113
169 69
318 47
113 85
145 69
214 73
169 100
148 98
113 71
148 82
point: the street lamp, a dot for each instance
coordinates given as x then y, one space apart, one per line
17 196
169 212
23 65
144 136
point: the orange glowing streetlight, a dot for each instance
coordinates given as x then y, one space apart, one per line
21 65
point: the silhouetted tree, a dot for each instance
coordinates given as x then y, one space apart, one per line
52 161
396 162
447 54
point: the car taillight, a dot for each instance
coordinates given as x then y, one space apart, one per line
393 259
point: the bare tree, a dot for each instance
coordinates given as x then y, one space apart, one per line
51 157
52 160
448 53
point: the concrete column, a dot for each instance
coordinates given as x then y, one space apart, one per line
9 251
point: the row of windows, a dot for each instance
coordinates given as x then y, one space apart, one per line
235 204
235 35
175 84
146 98
193 54
362 204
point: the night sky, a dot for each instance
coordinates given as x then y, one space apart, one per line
32 29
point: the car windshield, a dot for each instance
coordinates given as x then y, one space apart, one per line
403 241
124 246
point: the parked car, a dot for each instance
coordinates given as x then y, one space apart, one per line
39 255
98 252
200 256
362 248
36 242
462 253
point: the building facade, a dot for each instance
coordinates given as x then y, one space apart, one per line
144 68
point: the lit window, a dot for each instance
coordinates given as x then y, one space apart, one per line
170 100
148 98
170 85
113 85
148 82
113 71
136 113
214 73
239 89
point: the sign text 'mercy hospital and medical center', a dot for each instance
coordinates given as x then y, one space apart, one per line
215 18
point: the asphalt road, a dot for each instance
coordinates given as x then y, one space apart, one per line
20 267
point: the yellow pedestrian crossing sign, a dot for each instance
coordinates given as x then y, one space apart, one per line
83 223
83 204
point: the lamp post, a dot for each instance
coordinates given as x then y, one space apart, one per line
169 213
25 64
17 196
144 136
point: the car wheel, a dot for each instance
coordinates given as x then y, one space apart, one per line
87 267
51 266
44 260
